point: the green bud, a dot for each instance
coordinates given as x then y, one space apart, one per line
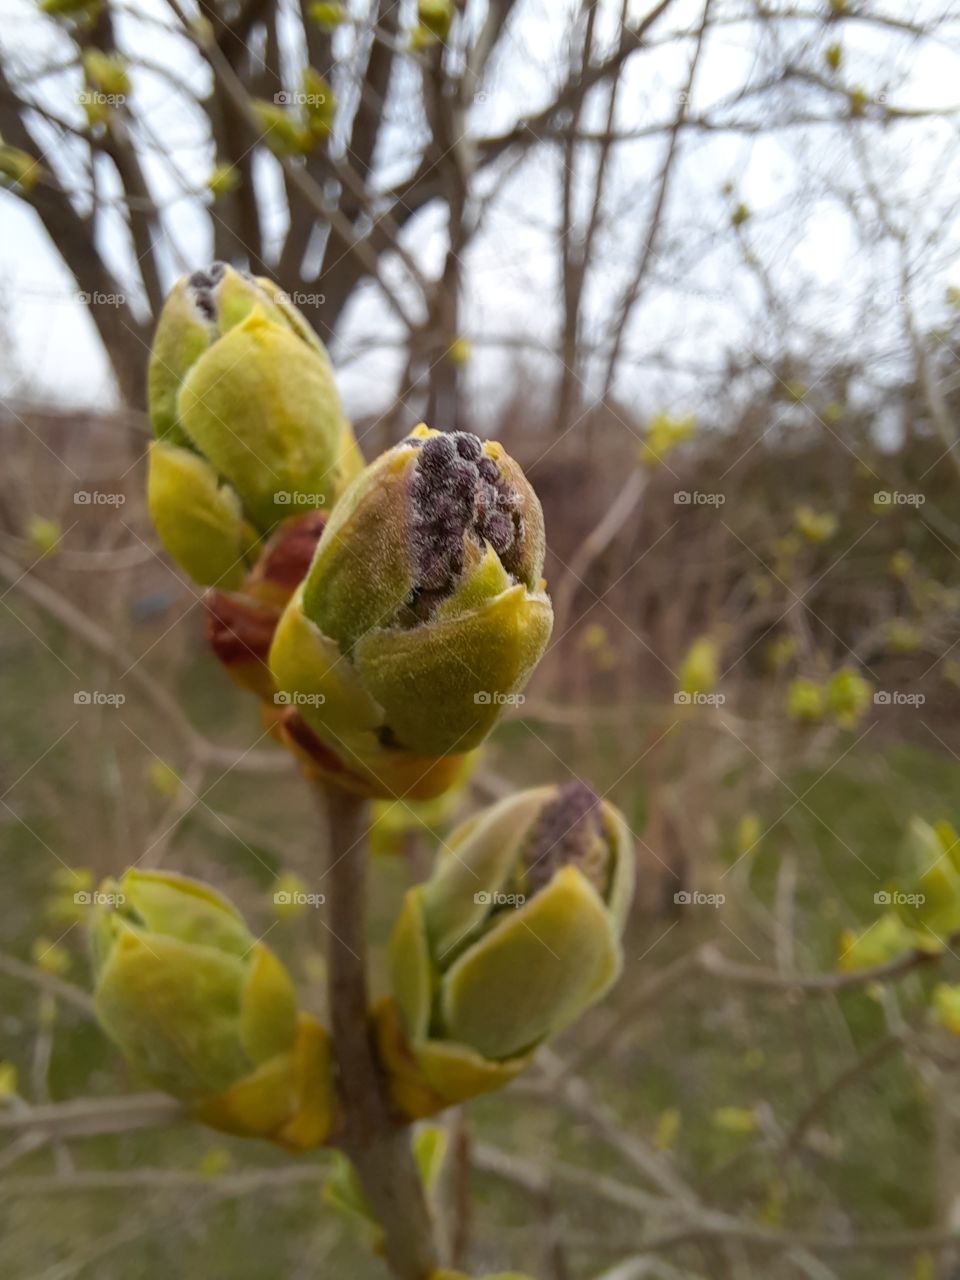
848 696
284 131
859 101
204 1011
928 898
922 906
223 179
462 1275
249 423
44 534
343 1191
436 16
883 941
321 102
423 614
946 1006
700 670
200 522
903 636
664 434
82 12
740 215
516 933
106 72
328 16
815 526
18 168
806 701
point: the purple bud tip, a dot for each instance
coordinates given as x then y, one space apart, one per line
568 831
202 285
458 490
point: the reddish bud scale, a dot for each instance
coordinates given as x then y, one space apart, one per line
287 556
294 732
241 624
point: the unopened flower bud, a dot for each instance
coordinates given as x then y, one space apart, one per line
249 423
423 614
516 934
206 1012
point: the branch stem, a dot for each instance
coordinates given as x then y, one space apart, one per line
377 1146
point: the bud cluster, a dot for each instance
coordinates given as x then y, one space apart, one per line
556 869
385 615
244 406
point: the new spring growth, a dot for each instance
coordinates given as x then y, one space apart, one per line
422 616
249 423
204 1011
461 1275
514 935
919 911
927 897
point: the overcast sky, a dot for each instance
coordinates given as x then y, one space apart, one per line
705 297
